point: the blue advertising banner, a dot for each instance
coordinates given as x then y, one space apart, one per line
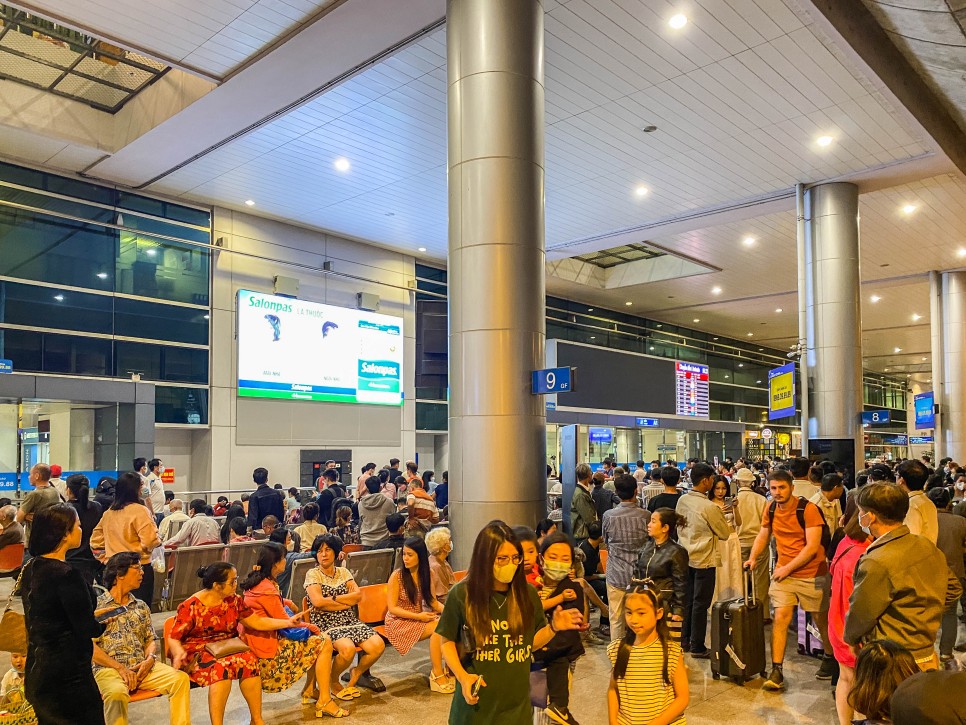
925 411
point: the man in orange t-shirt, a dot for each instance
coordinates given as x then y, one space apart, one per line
800 577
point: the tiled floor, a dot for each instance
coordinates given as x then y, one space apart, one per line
408 700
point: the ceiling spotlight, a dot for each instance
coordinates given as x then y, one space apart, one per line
714 338
641 191
651 347
758 382
678 21
924 358
741 365
102 275
151 252
779 309
658 325
628 304
909 208
897 349
592 337
916 317
422 249
885 370
961 252
716 290
874 298
59 298
751 334
727 376
250 202
824 141
341 164
696 320
748 241
590 309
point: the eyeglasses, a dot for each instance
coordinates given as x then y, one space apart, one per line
504 560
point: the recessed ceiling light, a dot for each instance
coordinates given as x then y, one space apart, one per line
658 326
678 21
651 347
761 349
727 376
824 141
341 164
929 381
779 309
758 382
628 304
592 337
874 298
898 349
924 358
909 208
916 317
748 241
885 370
696 320
961 252
590 309
249 202
151 252
751 334
716 290
714 338
102 275
422 249
59 298
641 191
741 365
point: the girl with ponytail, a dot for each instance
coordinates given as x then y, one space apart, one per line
649 682
89 514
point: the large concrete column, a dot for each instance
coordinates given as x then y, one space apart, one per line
833 314
496 264
948 325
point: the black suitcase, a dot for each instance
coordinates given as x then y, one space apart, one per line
738 636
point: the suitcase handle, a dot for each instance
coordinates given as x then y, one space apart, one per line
748 585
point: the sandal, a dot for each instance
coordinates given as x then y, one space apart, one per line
323 711
441 683
348 693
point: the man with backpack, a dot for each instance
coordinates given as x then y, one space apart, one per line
800 577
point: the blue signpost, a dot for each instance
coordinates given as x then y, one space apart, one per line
6 366
552 380
876 417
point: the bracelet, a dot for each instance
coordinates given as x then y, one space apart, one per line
550 624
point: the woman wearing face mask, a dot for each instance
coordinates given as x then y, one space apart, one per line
852 546
490 626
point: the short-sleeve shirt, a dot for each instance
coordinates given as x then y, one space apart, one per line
502 659
38 500
790 537
663 500
126 636
642 693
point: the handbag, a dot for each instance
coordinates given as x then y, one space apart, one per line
296 634
466 647
13 625
15 710
227 647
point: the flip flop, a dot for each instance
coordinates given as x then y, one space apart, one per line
348 693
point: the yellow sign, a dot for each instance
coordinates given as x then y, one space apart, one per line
784 439
781 392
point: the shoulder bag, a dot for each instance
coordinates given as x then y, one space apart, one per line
13 625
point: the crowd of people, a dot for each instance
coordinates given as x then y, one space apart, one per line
874 568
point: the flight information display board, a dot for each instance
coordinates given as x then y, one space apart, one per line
298 350
691 389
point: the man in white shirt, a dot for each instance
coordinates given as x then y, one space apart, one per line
640 473
801 484
198 530
154 495
923 518
828 499
177 514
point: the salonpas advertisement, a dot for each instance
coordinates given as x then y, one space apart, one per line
298 350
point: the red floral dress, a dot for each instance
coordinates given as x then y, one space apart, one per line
197 624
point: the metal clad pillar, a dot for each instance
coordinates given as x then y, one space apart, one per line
496 263
948 322
833 315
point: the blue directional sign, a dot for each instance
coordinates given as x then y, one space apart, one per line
601 435
920 440
875 417
6 366
647 422
552 380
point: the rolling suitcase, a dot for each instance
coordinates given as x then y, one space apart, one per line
809 638
738 636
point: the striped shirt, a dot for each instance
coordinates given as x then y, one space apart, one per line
642 693
625 530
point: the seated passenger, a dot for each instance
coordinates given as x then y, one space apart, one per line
199 530
439 542
395 525
175 507
282 660
269 524
221 506
238 530
210 617
334 594
124 656
11 532
311 528
343 526
413 611
283 537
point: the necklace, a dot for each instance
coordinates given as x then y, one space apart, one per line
498 604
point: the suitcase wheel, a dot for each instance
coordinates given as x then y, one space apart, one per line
801 649
764 675
715 676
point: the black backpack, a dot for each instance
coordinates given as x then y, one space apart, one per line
800 515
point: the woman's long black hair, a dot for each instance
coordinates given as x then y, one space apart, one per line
425 590
233 512
79 485
127 490
268 556
647 588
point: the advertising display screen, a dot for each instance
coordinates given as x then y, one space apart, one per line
925 412
781 392
297 350
601 435
691 389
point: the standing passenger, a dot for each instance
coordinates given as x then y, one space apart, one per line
625 531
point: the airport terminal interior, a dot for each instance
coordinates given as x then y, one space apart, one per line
494 238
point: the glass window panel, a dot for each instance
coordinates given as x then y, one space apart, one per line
23 304
165 209
181 405
431 416
152 320
47 249
184 365
156 226
77 355
163 270
51 203
24 347
135 357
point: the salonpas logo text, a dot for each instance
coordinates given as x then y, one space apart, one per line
383 369
269 304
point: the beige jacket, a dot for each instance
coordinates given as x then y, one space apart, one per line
131 528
